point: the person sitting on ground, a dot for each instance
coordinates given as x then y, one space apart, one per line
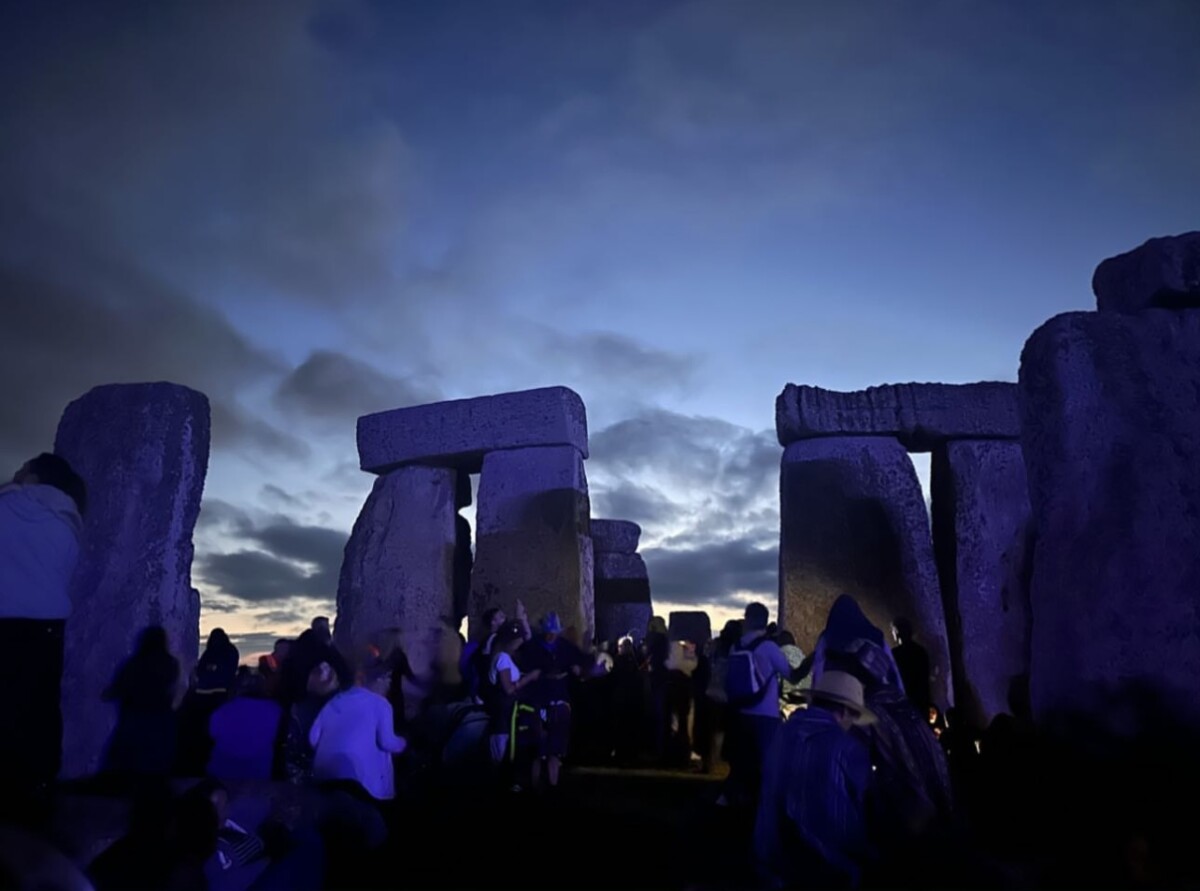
353 740
811 828
41 525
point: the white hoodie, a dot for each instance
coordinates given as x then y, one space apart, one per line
40 530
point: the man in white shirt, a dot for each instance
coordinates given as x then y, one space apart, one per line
40 530
353 739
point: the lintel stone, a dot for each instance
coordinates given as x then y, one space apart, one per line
457 434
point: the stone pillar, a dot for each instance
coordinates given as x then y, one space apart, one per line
399 565
854 522
532 536
1111 438
622 592
142 449
982 539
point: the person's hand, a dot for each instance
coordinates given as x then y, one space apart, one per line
519 612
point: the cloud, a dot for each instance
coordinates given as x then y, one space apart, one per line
713 574
331 386
290 560
254 644
619 359
705 493
75 318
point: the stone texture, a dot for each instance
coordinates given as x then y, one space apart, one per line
459 433
615 620
1163 272
690 625
854 522
398 569
621 578
532 538
919 415
142 449
982 541
615 536
1111 421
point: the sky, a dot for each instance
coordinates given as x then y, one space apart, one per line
311 210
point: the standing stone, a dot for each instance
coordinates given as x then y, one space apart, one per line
532 538
142 450
854 522
981 537
615 536
622 594
1163 272
459 433
1111 437
690 625
398 569
919 415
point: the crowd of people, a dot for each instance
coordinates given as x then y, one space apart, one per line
843 769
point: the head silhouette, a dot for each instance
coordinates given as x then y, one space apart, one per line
52 470
757 617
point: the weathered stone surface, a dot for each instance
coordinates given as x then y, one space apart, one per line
690 625
532 537
142 449
621 578
615 620
1163 272
919 415
1111 421
398 568
459 433
982 541
854 522
615 536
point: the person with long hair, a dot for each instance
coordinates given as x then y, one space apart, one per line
145 691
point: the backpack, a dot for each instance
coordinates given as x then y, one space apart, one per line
744 688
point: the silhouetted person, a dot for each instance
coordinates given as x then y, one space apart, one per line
321 626
40 528
913 661
811 830
215 677
145 689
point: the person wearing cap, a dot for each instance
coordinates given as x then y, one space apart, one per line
557 661
811 828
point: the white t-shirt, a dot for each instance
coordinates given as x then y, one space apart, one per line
504 661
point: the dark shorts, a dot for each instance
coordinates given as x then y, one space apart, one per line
555 732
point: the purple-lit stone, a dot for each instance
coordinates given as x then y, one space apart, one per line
1163 272
615 620
690 625
854 522
919 415
142 449
459 433
1111 438
981 537
615 536
398 569
531 539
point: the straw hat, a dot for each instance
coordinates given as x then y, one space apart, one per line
842 688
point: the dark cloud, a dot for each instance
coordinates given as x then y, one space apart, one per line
644 505
291 559
713 574
278 497
75 318
333 387
285 617
621 360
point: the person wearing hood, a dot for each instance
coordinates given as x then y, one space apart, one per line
41 526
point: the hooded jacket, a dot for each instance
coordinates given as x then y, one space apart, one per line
40 530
